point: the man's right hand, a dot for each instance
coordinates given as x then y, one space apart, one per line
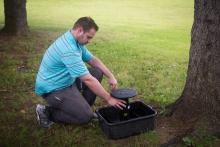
116 102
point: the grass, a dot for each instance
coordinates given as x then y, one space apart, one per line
201 138
145 44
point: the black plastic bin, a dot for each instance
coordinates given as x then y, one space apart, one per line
117 123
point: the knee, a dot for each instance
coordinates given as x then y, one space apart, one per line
96 72
85 118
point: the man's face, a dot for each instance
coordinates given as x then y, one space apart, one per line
85 37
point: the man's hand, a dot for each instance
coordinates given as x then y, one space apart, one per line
116 102
113 83
97 88
95 62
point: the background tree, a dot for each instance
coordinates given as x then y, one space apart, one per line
15 17
200 100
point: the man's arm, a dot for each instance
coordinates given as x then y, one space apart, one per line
95 62
97 88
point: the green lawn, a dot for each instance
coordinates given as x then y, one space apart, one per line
145 43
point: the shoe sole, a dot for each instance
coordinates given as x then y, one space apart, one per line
38 117
38 120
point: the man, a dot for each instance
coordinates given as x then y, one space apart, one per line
64 81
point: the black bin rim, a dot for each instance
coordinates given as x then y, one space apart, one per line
101 118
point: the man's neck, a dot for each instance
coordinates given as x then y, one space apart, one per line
73 32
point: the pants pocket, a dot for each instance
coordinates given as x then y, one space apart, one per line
54 100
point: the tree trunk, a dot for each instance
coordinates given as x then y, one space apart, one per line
200 100
15 17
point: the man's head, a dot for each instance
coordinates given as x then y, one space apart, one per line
84 29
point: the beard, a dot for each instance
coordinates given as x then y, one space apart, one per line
83 43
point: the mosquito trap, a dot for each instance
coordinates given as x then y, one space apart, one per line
135 118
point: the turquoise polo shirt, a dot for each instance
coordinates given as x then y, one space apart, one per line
62 63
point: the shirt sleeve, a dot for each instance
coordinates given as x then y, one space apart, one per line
86 54
75 64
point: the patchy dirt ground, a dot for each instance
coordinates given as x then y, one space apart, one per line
171 131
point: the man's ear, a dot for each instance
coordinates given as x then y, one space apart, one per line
81 31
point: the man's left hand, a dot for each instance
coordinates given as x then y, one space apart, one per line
113 83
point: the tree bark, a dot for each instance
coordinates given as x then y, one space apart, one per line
200 99
15 17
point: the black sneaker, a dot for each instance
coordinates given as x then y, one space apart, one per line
42 117
95 117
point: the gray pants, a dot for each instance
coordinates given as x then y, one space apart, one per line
72 104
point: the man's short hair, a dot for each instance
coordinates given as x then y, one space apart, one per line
86 23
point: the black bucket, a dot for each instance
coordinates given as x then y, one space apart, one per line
117 123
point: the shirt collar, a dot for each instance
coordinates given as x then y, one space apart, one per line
73 40
71 37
